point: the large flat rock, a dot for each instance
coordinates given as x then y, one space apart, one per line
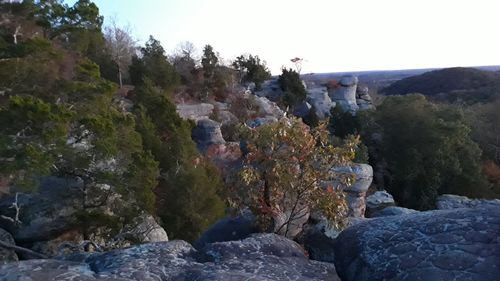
459 244
259 257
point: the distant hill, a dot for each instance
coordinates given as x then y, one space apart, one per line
379 79
451 84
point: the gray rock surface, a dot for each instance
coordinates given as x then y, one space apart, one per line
378 201
7 255
206 133
393 211
363 98
302 109
450 201
259 257
319 98
195 112
356 193
459 244
49 217
270 89
345 95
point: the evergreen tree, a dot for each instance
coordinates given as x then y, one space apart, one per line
291 84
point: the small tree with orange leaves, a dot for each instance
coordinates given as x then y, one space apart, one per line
284 172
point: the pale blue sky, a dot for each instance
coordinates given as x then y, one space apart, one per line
330 35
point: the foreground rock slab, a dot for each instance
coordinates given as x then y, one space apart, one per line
460 244
259 257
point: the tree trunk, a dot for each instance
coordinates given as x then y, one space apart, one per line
120 77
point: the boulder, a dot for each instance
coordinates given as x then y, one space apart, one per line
393 211
206 133
270 89
228 229
46 214
302 109
363 98
355 193
450 201
458 244
50 217
7 256
145 229
195 112
267 108
259 257
319 98
345 95
378 201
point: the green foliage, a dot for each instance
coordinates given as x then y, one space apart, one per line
343 123
252 69
428 151
284 170
187 195
468 85
311 119
291 84
485 125
209 62
153 65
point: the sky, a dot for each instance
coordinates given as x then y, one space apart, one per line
330 35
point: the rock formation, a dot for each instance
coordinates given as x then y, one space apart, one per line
195 112
207 132
50 218
377 201
7 255
356 193
458 244
363 99
450 201
319 98
345 95
259 257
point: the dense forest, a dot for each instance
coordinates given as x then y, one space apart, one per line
83 101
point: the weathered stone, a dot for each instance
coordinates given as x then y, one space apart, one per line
345 95
195 112
363 174
206 133
145 229
270 89
393 211
450 201
458 244
363 98
319 98
7 255
378 201
259 257
302 109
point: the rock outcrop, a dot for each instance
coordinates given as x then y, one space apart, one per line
363 98
459 244
207 132
356 193
319 98
450 201
259 257
6 255
50 217
345 95
393 211
195 112
378 201
270 89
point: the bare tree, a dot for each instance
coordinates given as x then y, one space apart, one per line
122 46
